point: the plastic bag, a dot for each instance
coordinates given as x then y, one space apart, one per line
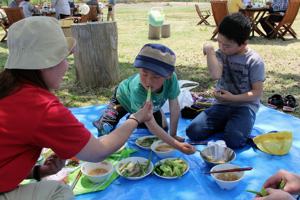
185 97
274 143
156 16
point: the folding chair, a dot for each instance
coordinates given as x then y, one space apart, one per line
13 15
283 27
220 10
4 24
203 15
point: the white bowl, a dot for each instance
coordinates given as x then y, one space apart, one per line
170 177
224 184
89 170
134 160
172 152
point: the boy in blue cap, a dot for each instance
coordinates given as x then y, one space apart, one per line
156 64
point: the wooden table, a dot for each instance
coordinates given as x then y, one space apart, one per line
255 14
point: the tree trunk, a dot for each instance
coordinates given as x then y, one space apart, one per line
96 56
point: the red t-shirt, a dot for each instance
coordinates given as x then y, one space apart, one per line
30 119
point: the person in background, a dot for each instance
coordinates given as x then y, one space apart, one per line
240 74
111 10
247 3
72 6
276 13
234 6
14 4
28 8
62 8
33 118
99 10
292 186
156 64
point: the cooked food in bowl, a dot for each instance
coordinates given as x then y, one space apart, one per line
164 147
146 141
227 180
230 176
134 168
163 150
171 168
97 171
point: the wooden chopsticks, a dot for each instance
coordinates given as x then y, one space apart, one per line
76 180
230 170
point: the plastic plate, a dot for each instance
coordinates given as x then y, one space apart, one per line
171 177
134 160
140 139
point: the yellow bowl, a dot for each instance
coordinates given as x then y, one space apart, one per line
277 143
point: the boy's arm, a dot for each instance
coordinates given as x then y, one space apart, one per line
215 68
174 117
252 95
154 128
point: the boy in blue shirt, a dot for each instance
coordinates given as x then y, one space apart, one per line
240 74
156 64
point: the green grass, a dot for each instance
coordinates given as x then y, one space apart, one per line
282 58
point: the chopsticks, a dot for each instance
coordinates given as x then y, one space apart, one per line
76 180
197 142
230 170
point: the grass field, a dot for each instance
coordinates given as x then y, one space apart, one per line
282 58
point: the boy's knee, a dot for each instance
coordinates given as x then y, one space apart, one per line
235 139
195 132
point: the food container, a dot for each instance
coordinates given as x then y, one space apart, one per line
216 154
227 180
163 150
97 172
134 168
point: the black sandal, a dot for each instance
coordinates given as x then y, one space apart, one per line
289 103
275 101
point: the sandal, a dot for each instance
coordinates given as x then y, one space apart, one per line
289 103
275 101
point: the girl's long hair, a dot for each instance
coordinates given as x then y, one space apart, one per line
12 79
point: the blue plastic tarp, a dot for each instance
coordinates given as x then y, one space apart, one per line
195 184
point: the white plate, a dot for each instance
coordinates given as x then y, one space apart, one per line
143 138
171 177
134 160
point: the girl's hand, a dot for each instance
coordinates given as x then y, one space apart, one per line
292 181
276 194
145 114
178 138
52 165
186 148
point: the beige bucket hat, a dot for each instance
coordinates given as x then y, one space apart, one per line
37 43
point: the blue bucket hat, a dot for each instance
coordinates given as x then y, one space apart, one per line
156 58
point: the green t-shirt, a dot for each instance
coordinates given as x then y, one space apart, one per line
132 95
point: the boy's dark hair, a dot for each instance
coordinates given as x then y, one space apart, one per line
236 27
